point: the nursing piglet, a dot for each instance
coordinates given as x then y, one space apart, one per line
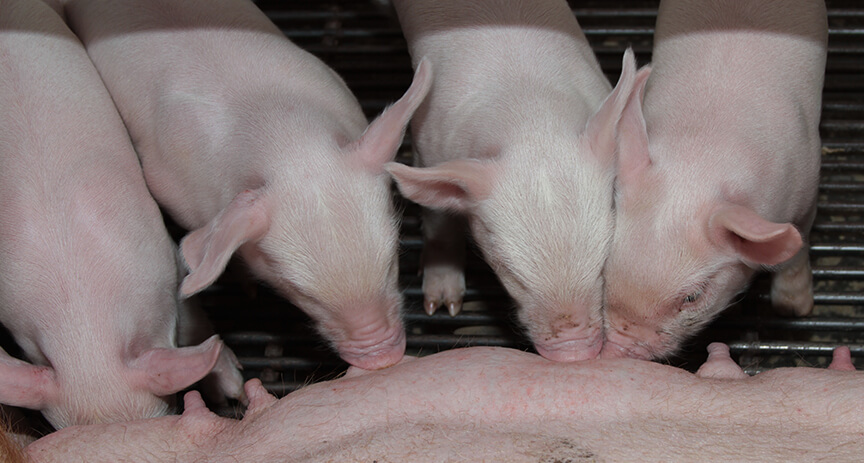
259 148
517 135
719 169
88 273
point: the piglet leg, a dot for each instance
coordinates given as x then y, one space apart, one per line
792 286
443 261
224 380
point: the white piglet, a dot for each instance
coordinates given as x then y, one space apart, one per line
518 136
259 148
719 169
88 273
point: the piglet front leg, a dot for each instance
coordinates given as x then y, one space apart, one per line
792 286
224 380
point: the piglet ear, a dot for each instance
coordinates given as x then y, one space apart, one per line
166 371
381 140
602 128
633 156
454 185
25 385
207 250
756 240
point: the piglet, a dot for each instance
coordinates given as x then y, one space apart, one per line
517 135
718 169
259 148
88 273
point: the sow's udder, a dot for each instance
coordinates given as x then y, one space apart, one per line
503 405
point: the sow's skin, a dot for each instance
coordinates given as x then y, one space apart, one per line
259 148
518 135
718 169
88 273
502 405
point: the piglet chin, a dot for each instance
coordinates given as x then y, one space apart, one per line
375 356
612 349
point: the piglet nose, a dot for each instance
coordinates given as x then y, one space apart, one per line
571 351
572 336
375 355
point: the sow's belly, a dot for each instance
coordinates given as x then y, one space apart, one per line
503 405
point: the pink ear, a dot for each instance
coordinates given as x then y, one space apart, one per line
453 185
382 138
633 156
601 129
166 371
26 385
755 239
208 249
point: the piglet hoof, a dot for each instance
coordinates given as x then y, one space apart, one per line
842 360
443 286
453 306
719 364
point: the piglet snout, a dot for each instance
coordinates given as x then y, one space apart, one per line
376 350
566 349
564 332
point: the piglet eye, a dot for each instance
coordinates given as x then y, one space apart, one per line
691 298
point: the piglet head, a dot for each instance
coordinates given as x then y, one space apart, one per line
137 387
326 238
681 251
541 212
